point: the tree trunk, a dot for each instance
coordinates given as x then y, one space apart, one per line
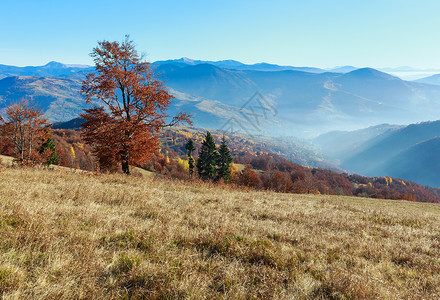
125 167
125 159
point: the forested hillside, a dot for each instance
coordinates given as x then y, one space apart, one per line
255 166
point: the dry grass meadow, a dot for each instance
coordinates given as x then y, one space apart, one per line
70 235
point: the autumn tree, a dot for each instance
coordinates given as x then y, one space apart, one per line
234 172
132 106
191 163
6 146
207 161
224 161
26 130
248 177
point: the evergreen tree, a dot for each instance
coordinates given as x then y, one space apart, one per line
208 156
190 148
224 161
191 165
49 152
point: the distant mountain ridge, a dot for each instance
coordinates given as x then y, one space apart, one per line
51 69
54 68
434 79
362 97
291 102
236 65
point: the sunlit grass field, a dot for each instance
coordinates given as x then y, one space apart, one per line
81 235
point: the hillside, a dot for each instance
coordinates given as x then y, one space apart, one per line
67 235
433 79
340 144
61 101
58 97
295 150
378 156
420 163
407 152
256 165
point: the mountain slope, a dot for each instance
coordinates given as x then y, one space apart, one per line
58 97
399 153
420 163
342 144
434 79
211 82
387 145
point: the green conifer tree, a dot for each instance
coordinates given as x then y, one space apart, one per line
191 163
48 148
208 156
224 161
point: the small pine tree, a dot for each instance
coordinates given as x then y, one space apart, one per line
191 165
208 156
191 162
49 152
224 161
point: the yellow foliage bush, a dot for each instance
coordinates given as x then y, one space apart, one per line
234 172
183 163
72 151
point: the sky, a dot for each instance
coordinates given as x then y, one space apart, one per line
318 33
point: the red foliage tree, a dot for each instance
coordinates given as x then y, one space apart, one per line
277 181
133 106
25 130
249 177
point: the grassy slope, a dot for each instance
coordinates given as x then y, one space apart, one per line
71 235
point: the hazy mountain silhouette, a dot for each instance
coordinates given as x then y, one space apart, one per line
343 69
343 144
434 79
236 65
419 163
52 69
313 102
397 152
61 101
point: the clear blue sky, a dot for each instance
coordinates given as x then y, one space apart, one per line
321 33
